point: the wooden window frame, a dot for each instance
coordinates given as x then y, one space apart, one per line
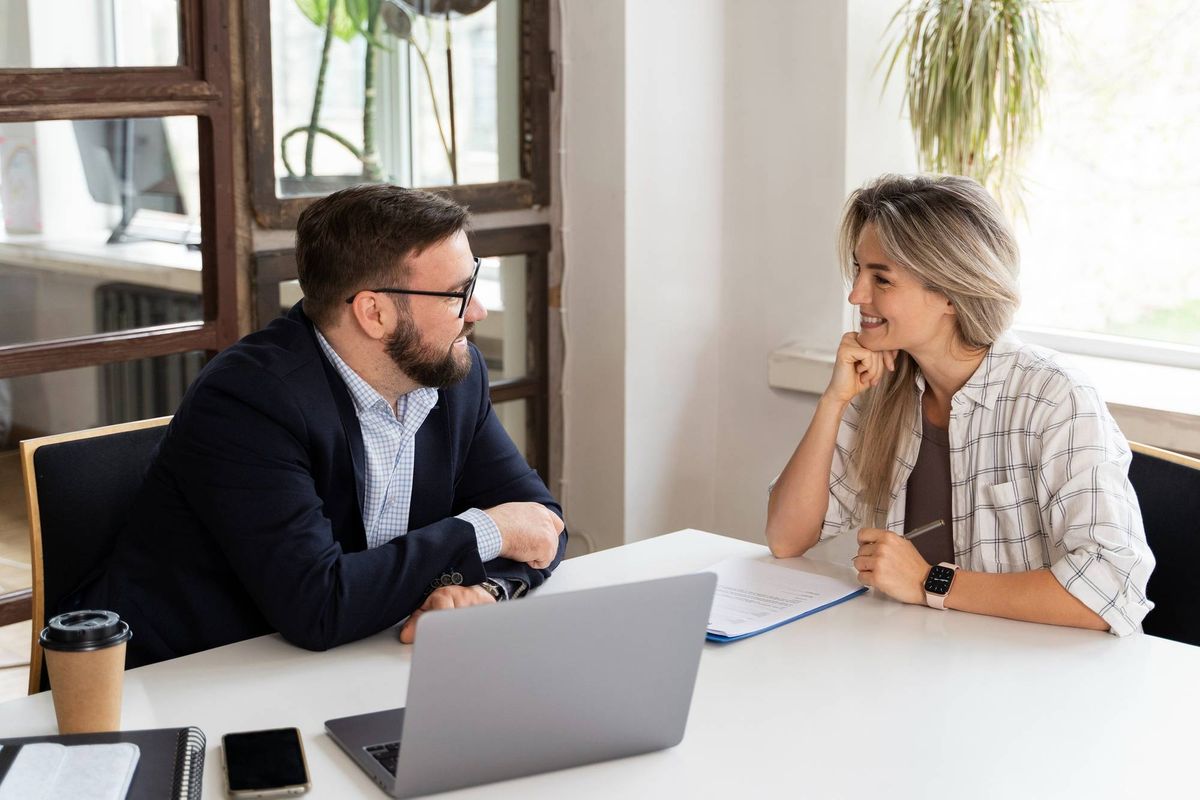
536 82
273 267
199 87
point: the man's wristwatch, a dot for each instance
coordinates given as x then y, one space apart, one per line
497 590
937 584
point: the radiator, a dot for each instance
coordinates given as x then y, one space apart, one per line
147 387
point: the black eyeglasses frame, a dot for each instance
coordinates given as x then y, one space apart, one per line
465 295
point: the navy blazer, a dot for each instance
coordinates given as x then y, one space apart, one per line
249 520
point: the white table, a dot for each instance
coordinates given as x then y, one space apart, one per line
870 698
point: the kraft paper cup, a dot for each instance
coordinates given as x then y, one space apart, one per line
85 657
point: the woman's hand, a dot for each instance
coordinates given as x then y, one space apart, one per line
890 563
857 369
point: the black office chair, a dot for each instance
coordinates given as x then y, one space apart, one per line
1168 490
79 488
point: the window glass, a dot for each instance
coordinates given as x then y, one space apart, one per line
443 82
501 337
101 227
54 34
1110 233
515 417
76 399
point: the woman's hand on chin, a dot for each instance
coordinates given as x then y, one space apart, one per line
857 369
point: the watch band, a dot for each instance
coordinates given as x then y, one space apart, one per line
935 594
493 587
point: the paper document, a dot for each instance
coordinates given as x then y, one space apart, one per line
758 594
48 771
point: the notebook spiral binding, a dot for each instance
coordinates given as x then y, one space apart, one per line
189 764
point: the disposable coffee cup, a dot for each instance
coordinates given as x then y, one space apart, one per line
85 656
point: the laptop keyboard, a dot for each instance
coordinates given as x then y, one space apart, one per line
386 754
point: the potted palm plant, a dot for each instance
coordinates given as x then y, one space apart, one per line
345 20
973 72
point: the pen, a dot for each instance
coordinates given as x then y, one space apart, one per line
933 526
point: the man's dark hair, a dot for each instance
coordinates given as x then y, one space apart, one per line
361 237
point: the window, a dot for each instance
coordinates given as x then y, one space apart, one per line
1110 235
117 254
513 339
458 100
103 33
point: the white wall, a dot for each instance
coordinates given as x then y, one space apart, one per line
878 137
706 145
785 132
673 257
593 288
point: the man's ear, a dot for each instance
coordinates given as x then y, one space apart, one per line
372 315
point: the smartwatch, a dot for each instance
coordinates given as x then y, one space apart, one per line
937 584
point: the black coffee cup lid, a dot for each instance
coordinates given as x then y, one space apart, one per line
84 630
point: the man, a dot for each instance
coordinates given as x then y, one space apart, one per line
343 468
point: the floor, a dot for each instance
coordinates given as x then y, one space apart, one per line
14 660
14 574
14 529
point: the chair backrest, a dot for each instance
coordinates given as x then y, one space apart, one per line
79 488
1168 490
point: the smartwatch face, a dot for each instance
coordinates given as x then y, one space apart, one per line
939 579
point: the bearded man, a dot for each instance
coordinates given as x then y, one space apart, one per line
342 469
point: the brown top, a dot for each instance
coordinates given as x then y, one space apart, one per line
929 495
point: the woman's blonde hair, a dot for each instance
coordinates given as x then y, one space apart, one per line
950 234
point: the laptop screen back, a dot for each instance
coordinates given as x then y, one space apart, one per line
549 682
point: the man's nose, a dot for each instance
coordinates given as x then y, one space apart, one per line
475 310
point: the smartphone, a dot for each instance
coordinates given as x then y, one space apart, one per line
264 763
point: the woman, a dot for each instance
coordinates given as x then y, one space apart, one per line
937 412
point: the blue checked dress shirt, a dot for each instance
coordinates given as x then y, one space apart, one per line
389 439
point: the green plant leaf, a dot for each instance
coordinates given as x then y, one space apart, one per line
315 10
359 14
974 73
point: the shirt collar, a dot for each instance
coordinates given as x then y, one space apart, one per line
363 394
988 380
984 386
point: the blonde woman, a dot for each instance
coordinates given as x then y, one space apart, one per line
937 412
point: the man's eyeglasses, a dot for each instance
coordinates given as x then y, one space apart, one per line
465 295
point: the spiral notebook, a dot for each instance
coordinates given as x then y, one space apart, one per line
170 764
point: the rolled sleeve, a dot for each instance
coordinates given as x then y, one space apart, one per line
1094 513
487 533
843 489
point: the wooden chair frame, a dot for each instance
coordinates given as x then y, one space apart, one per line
1165 455
28 448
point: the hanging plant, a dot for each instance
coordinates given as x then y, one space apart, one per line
974 77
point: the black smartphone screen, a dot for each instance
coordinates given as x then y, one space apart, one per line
264 760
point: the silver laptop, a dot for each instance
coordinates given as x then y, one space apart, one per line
543 683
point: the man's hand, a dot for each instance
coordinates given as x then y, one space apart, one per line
529 531
445 597
890 563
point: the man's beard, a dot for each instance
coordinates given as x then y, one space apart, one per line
421 362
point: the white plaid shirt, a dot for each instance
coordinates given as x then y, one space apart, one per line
389 440
1038 478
